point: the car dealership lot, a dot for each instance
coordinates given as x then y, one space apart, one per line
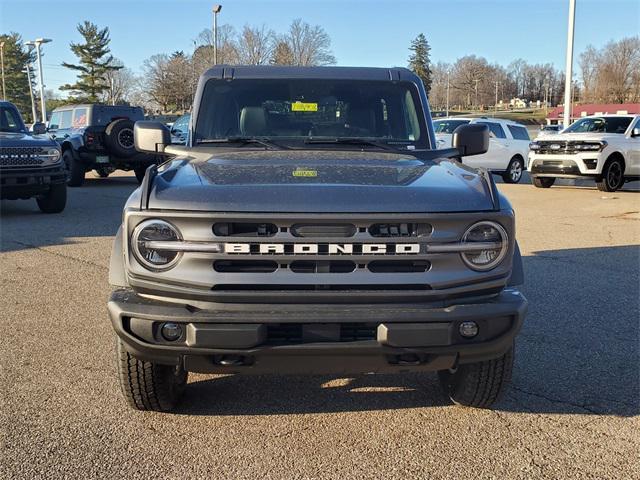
571 412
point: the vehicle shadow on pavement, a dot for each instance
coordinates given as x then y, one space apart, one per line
294 394
577 353
93 210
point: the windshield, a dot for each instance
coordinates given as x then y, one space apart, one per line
600 124
299 110
447 126
10 121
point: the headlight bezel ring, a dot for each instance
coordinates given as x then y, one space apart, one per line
139 228
501 255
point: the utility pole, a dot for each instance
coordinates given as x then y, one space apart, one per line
37 42
34 114
4 92
448 75
476 100
113 98
495 107
569 66
216 10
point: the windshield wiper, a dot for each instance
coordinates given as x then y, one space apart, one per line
350 141
267 143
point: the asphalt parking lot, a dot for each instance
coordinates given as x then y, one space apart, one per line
572 410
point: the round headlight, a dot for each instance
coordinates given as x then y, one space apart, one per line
491 245
148 233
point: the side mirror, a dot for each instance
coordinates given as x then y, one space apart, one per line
635 132
39 128
151 137
471 139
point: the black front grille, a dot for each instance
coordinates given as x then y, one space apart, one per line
20 156
298 333
561 147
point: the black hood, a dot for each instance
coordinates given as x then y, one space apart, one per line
25 140
318 181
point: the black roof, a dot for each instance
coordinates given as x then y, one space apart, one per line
316 73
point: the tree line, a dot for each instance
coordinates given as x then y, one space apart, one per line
167 82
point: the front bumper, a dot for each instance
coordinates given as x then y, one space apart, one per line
582 164
302 338
28 182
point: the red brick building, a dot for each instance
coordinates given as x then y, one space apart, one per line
555 116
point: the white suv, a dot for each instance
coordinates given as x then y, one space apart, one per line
508 146
604 147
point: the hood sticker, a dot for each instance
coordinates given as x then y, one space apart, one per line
304 172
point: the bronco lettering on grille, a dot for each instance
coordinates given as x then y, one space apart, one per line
322 248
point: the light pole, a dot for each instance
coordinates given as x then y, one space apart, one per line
569 65
4 93
448 75
34 115
216 10
37 42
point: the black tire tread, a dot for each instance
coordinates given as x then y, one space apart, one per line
147 385
76 169
479 384
542 182
55 199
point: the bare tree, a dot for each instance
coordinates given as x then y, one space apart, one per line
310 45
156 74
255 45
121 83
227 46
282 54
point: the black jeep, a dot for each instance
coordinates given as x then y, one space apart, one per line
100 138
30 165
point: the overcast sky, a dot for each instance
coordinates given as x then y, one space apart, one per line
368 33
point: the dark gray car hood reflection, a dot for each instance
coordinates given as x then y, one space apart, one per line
317 181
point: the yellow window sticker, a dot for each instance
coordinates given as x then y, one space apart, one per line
304 107
305 172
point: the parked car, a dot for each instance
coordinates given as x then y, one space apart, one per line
98 137
549 129
310 225
180 129
508 147
605 148
30 163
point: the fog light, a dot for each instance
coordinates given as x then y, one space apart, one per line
171 331
468 329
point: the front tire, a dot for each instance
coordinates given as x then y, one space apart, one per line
612 176
478 384
75 170
148 385
55 200
514 171
543 182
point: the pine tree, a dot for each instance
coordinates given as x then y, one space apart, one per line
95 62
419 61
16 57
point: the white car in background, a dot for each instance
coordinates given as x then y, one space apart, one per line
605 148
508 145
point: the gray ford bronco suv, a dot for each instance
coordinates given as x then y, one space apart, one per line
310 225
30 163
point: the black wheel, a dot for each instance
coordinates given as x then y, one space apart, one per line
612 176
514 170
147 385
55 199
119 138
75 170
478 384
543 182
140 172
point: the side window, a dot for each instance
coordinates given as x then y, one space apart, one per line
65 120
496 129
79 118
10 121
519 133
54 121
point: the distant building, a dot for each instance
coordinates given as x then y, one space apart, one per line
555 116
